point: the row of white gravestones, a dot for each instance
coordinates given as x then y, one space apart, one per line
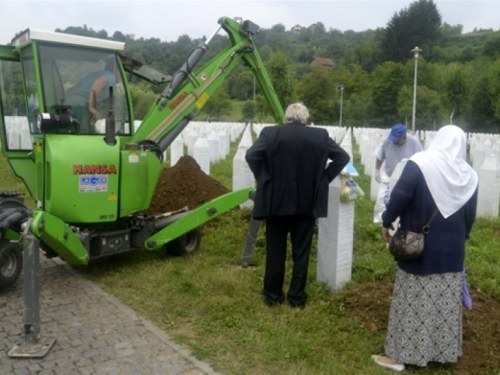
369 139
213 147
484 151
198 137
484 155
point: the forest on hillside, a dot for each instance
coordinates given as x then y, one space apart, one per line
458 73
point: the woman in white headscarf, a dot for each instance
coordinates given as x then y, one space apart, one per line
425 320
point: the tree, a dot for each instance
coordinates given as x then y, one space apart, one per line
356 111
455 90
317 92
480 113
494 88
387 80
429 110
279 72
240 84
248 110
218 105
262 109
417 25
141 101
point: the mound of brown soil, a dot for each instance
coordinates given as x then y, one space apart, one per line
481 345
184 184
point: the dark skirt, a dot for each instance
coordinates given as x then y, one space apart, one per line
425 320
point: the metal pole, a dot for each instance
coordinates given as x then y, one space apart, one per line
33 346
254 90
341 87
415 51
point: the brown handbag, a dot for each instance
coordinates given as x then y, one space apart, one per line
408 245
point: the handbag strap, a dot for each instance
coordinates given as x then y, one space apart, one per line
427 227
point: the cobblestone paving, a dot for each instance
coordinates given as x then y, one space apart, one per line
95 333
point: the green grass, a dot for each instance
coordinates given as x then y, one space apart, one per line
210 304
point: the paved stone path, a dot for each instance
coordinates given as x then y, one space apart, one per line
95 333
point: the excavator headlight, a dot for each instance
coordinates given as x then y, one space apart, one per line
58 122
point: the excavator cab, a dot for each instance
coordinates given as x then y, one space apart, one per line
65 68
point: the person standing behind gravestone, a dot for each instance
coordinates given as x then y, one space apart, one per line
425 319
289 164
398 146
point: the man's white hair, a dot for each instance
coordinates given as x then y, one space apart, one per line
297 112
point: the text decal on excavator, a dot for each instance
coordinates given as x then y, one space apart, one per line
177 100
94 169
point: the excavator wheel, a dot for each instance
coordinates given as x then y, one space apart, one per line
11 263
186 244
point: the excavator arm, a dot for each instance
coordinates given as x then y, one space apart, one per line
191 87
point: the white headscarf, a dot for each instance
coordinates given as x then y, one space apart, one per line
451 181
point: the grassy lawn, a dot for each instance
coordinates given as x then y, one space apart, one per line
210 304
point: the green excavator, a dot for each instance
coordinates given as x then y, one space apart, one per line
90 172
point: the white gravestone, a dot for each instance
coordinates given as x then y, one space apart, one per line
336 240
489 188
214 142
176 150
190 136
201 153
374 185
224 143
242 175
481 152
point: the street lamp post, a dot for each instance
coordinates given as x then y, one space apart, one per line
341 88
415 51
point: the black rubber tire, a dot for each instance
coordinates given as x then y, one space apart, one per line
186 244
11 263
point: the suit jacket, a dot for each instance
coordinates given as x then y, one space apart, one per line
290 165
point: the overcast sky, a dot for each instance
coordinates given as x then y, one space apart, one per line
169 19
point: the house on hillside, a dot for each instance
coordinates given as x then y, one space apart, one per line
323 62
296 29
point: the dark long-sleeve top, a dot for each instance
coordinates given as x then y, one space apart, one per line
290 165
444 249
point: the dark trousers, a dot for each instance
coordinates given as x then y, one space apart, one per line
301 229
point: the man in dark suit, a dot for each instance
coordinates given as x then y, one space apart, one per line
290 165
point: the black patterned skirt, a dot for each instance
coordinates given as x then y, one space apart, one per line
425 320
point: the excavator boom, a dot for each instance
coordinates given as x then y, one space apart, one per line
192 86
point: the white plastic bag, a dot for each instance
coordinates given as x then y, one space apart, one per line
384 192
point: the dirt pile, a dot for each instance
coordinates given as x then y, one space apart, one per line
184 184
481 345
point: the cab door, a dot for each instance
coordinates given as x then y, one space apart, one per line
19 95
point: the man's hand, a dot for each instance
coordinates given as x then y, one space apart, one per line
95 114
377 176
